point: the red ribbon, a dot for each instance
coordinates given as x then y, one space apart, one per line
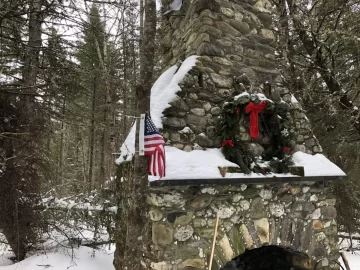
227 142
286 149
255 109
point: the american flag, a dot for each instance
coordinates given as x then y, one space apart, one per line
154 147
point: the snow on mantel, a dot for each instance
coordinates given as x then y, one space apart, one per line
317 165
204 164
194 164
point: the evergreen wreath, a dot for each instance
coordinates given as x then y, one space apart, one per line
275 116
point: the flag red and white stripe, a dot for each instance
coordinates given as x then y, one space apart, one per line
153 146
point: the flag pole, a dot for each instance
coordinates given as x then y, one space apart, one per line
141 134
214 240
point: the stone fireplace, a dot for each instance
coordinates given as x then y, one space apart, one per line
298 215
236 53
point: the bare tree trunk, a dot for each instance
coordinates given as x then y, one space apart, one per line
124 175
141 23
32 56
61 152
92 137
84 161
125 105
103 148
125 90
16 201
138 238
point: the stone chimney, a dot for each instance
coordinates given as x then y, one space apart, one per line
236 49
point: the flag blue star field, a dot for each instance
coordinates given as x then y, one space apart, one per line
154 147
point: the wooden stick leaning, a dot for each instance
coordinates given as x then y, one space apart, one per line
214 240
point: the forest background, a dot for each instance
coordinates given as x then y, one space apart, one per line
69 77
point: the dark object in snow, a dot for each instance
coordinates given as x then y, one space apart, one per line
269 258
75 241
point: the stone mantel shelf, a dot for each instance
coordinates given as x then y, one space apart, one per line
245 180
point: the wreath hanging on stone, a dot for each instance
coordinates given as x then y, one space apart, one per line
251 121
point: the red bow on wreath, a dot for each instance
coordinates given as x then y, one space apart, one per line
255 109
227 142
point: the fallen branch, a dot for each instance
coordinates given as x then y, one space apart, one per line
80 207
96 244
349 237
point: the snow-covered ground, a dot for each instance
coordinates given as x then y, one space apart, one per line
57 253
85 258
354 260
352 256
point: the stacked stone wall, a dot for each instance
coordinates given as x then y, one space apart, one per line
236 49
298 216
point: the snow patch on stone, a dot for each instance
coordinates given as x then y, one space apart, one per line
185 130
165 88
293 99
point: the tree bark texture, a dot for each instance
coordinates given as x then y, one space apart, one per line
33 49
124 175
92 137
136 254
19 183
